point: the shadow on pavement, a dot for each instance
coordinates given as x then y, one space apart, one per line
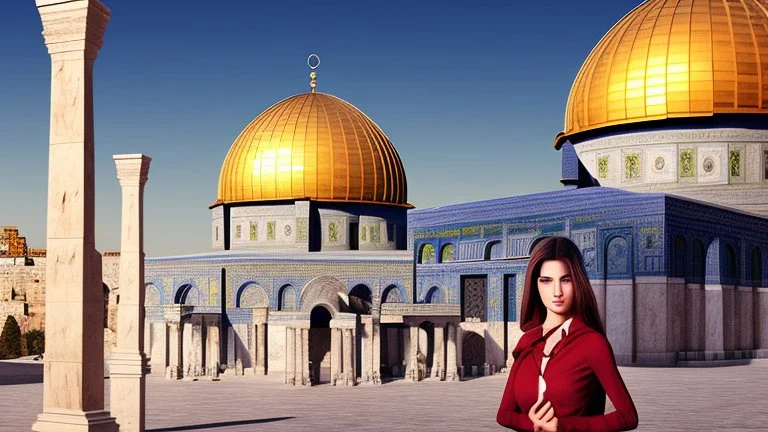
20 373
219 424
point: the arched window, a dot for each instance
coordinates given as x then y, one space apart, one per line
731 268
360 299
757 267
427 254
493 250
434 296
699 263
287 298
391 294
447 253
678 257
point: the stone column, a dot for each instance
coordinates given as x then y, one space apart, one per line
300 358
174 347
290 355
450 363
349 358
745 318
73 384
713 322
213 351
760 312
438 359
335 355
413 362
128 382
187 359
305 351
376 356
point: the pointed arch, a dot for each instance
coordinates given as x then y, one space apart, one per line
251 295
393 294
434 296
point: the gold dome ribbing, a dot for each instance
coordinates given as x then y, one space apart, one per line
317 146
674 58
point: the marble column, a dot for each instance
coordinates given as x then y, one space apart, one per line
213 351
187 359
335 355
450 363
290 355
413 362
713 322
761 320
438 358
128 361
73 374
261 357
349 355
301 363
376 355
745 318
173 349
305 351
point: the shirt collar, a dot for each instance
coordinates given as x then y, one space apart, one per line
567 325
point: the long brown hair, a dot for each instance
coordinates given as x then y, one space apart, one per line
584 304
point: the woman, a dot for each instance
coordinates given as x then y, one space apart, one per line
564 365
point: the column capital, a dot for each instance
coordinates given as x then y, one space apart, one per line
132 169
75 26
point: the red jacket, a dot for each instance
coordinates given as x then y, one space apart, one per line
579 374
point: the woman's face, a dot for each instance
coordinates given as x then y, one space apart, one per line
556 287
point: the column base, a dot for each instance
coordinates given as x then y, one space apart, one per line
75 421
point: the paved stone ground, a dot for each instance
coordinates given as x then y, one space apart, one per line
680 399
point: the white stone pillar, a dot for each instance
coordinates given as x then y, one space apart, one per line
73 384
128 382
349 356
761 320
376 346
438 359
174 346
413 363
290 348
261 347
187 359
300 359
213 352
713 327
450 363
335 355
305 351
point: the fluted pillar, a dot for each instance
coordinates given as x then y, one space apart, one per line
73 375
127 364
450 363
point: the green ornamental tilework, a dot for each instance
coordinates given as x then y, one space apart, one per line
333 232
632 165
734 161
362 234
375 231
254 231
602 167
687 163
271 230
428 254
302 229
238 231
448 253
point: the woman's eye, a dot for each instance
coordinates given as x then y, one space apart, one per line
567 280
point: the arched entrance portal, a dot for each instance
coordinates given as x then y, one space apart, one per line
320 345
472 353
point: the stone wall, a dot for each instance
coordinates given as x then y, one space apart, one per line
28 284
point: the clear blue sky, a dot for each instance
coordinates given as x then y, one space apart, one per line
471 94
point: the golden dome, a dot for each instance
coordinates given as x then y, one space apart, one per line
674 58
316 146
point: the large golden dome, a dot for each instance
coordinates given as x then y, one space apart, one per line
674 58
316 146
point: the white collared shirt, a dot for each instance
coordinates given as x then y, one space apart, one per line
566 327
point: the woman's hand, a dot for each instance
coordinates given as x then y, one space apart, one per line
543 418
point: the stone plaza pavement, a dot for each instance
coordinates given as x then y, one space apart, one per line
679 399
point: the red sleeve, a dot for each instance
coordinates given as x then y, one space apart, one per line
603 364
509 414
